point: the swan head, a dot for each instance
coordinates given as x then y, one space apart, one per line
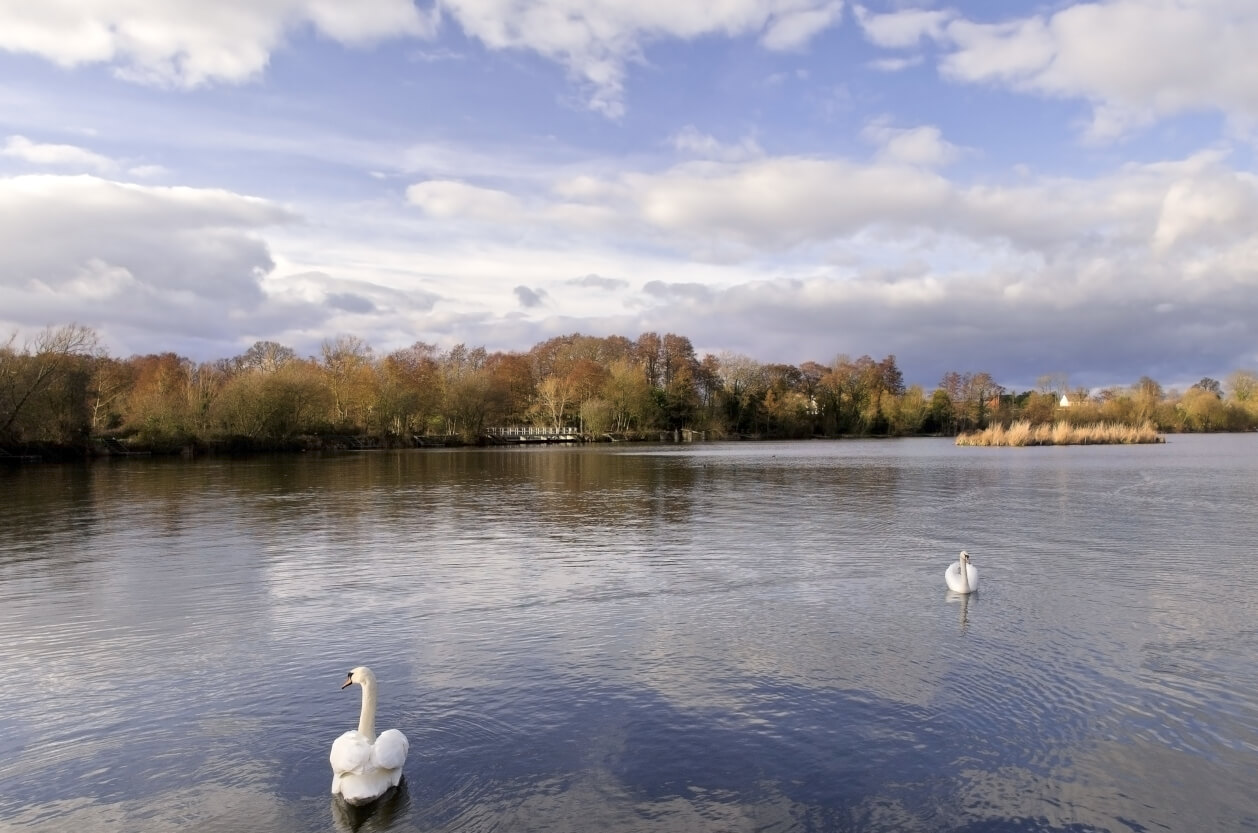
361 675
965 557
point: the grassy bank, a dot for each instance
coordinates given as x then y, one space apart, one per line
1061 433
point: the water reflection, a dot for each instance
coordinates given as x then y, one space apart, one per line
723 637
381 814
962 601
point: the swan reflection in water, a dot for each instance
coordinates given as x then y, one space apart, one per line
379 815
962 600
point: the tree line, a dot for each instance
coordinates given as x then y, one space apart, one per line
60 390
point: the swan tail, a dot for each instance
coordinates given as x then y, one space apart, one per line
361 789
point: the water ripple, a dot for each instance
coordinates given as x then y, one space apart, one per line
717 637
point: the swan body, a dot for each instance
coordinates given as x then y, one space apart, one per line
365 767
961 576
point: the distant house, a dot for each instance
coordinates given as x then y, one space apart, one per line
1065 401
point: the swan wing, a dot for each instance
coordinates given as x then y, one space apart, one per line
351 752
952 576
390 750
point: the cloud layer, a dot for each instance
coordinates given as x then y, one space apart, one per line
1071 190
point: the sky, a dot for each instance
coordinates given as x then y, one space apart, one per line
1020 189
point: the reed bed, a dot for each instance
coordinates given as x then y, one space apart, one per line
1023 433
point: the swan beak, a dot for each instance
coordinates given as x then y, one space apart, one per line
349 681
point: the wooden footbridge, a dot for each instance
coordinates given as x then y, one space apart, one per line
525 434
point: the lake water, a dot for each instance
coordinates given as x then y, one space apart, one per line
710 637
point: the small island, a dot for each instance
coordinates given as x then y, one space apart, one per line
1023 433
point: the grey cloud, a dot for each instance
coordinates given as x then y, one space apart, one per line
593 281
678 291
358 296
1096 339
349 302
180 262
530 298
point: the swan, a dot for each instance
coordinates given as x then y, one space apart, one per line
962 577
364 766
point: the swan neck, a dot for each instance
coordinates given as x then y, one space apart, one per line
367 717
965 575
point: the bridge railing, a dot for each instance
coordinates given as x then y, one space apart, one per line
533 431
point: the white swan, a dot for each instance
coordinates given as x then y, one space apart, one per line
962 577
364 766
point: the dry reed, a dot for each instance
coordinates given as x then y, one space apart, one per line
1022 433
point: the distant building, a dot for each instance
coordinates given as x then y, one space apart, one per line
1065 401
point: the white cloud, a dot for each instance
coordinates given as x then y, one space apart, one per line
448 199
778 203
53 155
148 171
1008 53
595 41
902 29
187 43
600 282
924 145
784 258
794 29
748 210
1212 208
691 140
896 64
893 254
1135 60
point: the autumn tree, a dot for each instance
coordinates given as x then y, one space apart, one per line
512 385
1203 409
1146 397
972 396
679 403
844 393
743 386
111 381
708 387
627 393
469 390
1210 386
1243 385
43 386
906 414
350 376
410 391
647 351
273 404
265 357
881 380
158 408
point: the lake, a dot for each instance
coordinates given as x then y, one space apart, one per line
706 637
